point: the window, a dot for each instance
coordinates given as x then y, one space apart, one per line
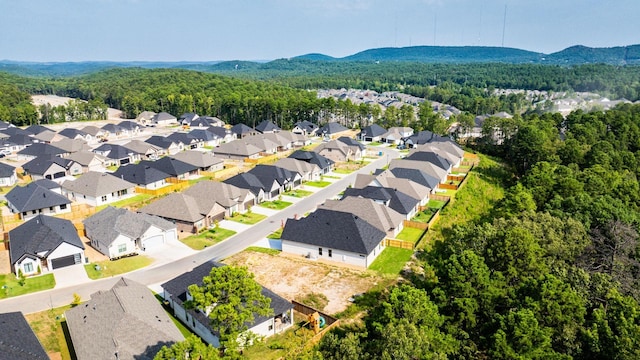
319 251
33 211
270 327
122 248
330 253
28 267
104 198
63 206
51 208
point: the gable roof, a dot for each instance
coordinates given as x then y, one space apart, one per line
112 128
42 163
425 166
106 225
260 141
202 135
126 320
34 197
92 130
72 133
306 126
6 170
177 206
15 131
85 158
96 184
128 125
429 156
373 130
179 285
331 128
36 129
47 136
145 116
312 157
71 145
267 126
163 116
407 186
198 158
248 181
378 215
17 339
140 147
237 148
224 194
395 199
268 173
160 141
334 229
140 174
335 145
182 137
241 129
416 175
170 166
351 142
220 131
115 152
38 149
42 234
295 165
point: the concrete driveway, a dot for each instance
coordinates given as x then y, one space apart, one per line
70 276
170 251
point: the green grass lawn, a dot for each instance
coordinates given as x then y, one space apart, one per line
116 267
183 329
391 261
436 204
375 143
134 200
201 178
263 250
410 234
275 235
424 216
474 201
47 325
247 218
275 204
446 192
342 171
10 286
298 193
319 184
331 177
207 238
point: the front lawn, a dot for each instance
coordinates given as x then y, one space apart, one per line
391 261
343 171
10 285
262 250
298 193
248 218
319 184
275 235
410 234
207 238
110 268
47 325
275 204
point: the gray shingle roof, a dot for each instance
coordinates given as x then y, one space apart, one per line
41 164
313 158
224 194
38 149
373 131
429 156
6 170
378 215
115 152
237 148
170 166
160 141
127 320
96 184
396 200
250 182
176 206
198 158
416 175
34 197
17 339
267 126
178 287
106 225
140 174
241 129
42 234
334 229
331 128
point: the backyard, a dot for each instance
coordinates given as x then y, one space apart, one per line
410 234
48 327
391 261
10 285
207 238
134 202
108 268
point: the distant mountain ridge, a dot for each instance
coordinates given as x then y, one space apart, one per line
575 55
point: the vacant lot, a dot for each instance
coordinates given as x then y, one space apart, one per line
294 278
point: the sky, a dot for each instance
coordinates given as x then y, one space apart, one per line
212 30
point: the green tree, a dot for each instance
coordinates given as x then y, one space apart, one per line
191 348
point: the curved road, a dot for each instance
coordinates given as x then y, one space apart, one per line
158 274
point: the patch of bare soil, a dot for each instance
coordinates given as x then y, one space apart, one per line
294 278
5 263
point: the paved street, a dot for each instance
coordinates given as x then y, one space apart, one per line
155 275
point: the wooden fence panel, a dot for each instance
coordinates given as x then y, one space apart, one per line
396 243
416 224
455 177
448 186
439 197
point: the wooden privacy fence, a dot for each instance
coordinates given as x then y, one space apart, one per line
397 243
448 186
330 321
267 158
80 228
78 212
439 197
451 177
416 224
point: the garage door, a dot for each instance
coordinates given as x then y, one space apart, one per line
152 242
63 261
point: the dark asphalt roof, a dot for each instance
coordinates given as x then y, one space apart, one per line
17 339
42 234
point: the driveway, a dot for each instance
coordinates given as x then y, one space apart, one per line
70 276
168 252
234 225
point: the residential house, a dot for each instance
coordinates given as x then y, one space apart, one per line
145 150
424 166
17 142
7 175
95 132
117 232
164 119
388 180
176 168
446 149
371 133
15 131
393 198
308 171
131 128
89 161
225 134
204 161
71 145
284 140
17 339
187 118
395 135
252 183
167 146
237 150
117 154
205 137
51 168
36 129
338 151
5 125
48 184
201 123
376 214
76 134
32 200
39 149
113 131
353 143
429 156
97 189
261 141
312 157
305 128
43 244
190 214
176 292
125 322
331 130
145 118
47 136
184 138
286 178
416 175
232 198
267 126
143 176
332 235
242 130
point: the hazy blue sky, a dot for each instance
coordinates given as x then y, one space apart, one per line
201 30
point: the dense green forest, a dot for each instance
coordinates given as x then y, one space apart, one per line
552 272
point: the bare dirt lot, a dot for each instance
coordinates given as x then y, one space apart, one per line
294 278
